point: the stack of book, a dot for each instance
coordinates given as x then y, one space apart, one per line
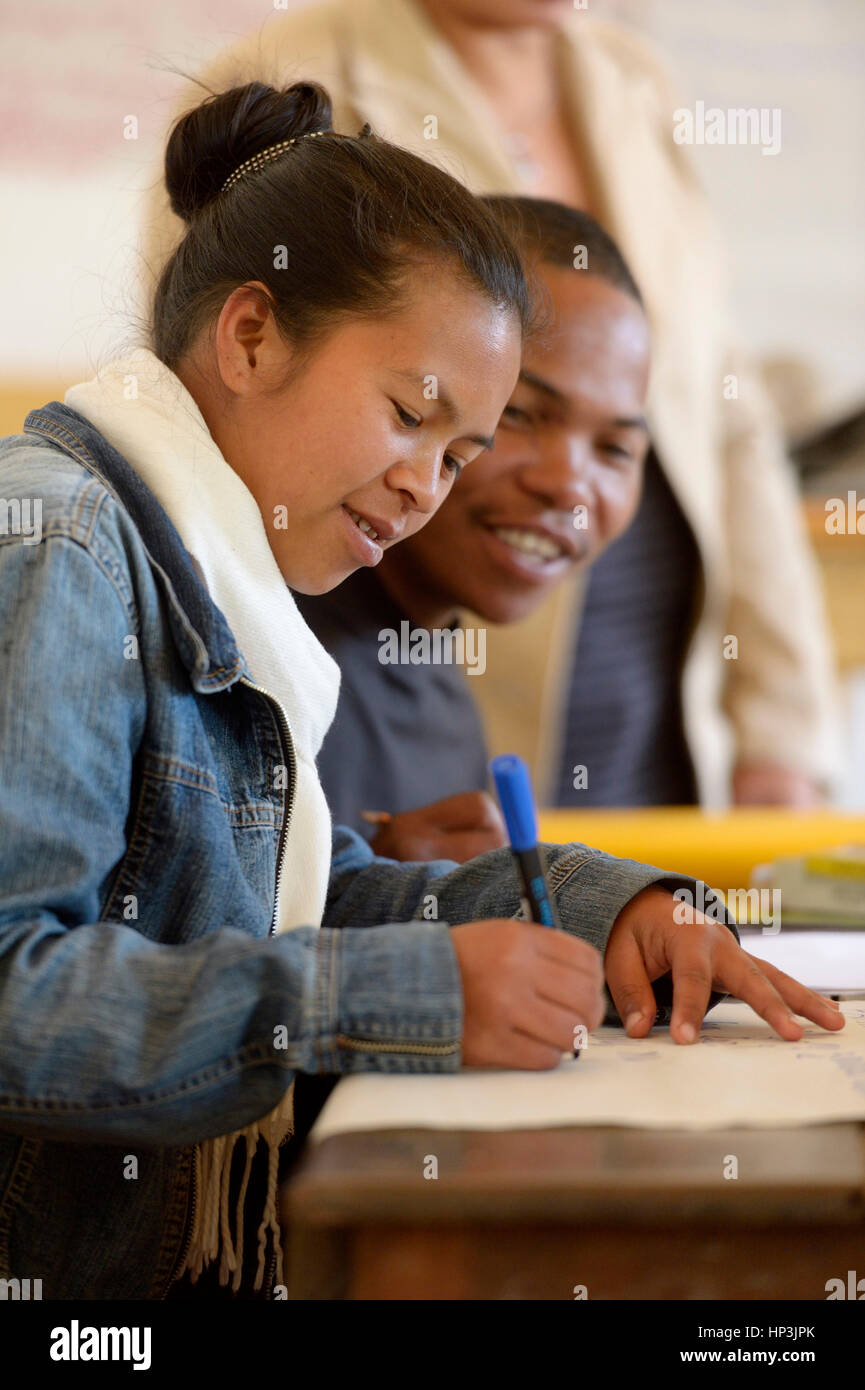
825 889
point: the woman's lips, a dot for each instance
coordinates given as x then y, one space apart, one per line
362 543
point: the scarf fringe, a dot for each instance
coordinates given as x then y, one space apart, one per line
212 1237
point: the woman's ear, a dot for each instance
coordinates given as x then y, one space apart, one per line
251 353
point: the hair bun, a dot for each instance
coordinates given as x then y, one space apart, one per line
210 141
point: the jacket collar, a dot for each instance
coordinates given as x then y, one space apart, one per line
204 640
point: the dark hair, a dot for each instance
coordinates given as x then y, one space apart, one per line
551 232
351 212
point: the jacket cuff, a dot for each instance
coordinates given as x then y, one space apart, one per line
388 999
591 888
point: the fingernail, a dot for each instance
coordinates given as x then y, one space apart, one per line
687 1032
633 1019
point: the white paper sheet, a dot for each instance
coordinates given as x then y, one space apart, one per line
822 960
739 1072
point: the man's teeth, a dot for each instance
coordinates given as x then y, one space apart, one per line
364 525
529 542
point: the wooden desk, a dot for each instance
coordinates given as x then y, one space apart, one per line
630 1214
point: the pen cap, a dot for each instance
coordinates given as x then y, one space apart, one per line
513 784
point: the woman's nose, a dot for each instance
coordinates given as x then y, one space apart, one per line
421 482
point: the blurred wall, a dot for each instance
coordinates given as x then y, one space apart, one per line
795 221
71 74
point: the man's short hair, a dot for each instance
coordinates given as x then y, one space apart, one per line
552 234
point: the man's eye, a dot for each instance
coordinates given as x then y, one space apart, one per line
515 415
406 417
456 466
617 452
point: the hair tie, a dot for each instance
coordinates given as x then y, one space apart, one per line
258 161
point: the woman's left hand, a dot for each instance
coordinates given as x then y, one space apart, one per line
647 941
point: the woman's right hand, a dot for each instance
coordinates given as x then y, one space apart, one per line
525 990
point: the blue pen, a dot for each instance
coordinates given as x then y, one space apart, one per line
514 787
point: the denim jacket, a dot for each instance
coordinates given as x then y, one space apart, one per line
141 824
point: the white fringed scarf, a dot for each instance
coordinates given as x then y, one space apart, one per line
145 411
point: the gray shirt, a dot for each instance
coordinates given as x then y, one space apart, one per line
404 735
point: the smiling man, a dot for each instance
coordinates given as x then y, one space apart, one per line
560 484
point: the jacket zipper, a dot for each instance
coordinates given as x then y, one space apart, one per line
287 745
444 1049
190 1227
271 1271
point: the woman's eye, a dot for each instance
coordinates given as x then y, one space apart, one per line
455 466
406 417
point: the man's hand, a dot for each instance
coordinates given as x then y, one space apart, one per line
459 827
646 942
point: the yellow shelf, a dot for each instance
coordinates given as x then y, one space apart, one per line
719 848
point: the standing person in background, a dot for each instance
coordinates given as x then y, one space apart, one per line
694 664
